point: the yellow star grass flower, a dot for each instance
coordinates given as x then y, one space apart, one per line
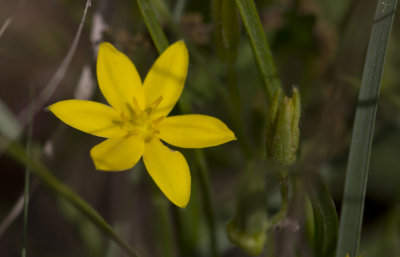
137 119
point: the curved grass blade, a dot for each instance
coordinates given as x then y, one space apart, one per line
325 218
360 149
260 46
16 151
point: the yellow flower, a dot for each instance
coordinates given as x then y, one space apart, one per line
137 119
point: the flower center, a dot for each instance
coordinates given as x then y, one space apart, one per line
142 122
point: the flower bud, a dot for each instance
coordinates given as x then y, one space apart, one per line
283 128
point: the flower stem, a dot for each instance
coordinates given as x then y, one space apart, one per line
161 42
208 204
16 151
284 187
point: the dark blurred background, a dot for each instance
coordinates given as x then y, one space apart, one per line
318 46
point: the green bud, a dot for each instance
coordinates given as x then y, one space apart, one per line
283 128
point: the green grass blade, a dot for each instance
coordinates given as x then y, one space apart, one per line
325 217
16 151
360 149
27 179
260 46
156 32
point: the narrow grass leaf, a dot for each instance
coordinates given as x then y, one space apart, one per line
360 149
260 46
16 151
27 178
227 29
156 32
325 219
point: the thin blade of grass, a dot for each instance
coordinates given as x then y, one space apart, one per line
360 149
260 46
156 32
325 217
10 18
27 178
16 151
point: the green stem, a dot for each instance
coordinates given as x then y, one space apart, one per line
284 187
163 225
360 148
260 46
236 114
27 180
39 170
161 42
208 204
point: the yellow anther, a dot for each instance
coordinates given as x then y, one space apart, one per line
123 117
158 120
136 107
157 102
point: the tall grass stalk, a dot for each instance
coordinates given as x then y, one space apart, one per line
360 149
27 179
260 46
16 151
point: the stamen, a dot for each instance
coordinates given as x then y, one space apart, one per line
158 120
154 105
157 102
136 106
123 117
132 112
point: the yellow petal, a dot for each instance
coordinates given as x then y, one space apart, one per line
90 117
169 171
116 154
166 78
118 78
194 131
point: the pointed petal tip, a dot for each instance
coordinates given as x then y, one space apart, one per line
47 108
182 203
182 45
107 45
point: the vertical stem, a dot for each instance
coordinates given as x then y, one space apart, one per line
163 225
161 42
208 205
27 178
284 187
236 113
